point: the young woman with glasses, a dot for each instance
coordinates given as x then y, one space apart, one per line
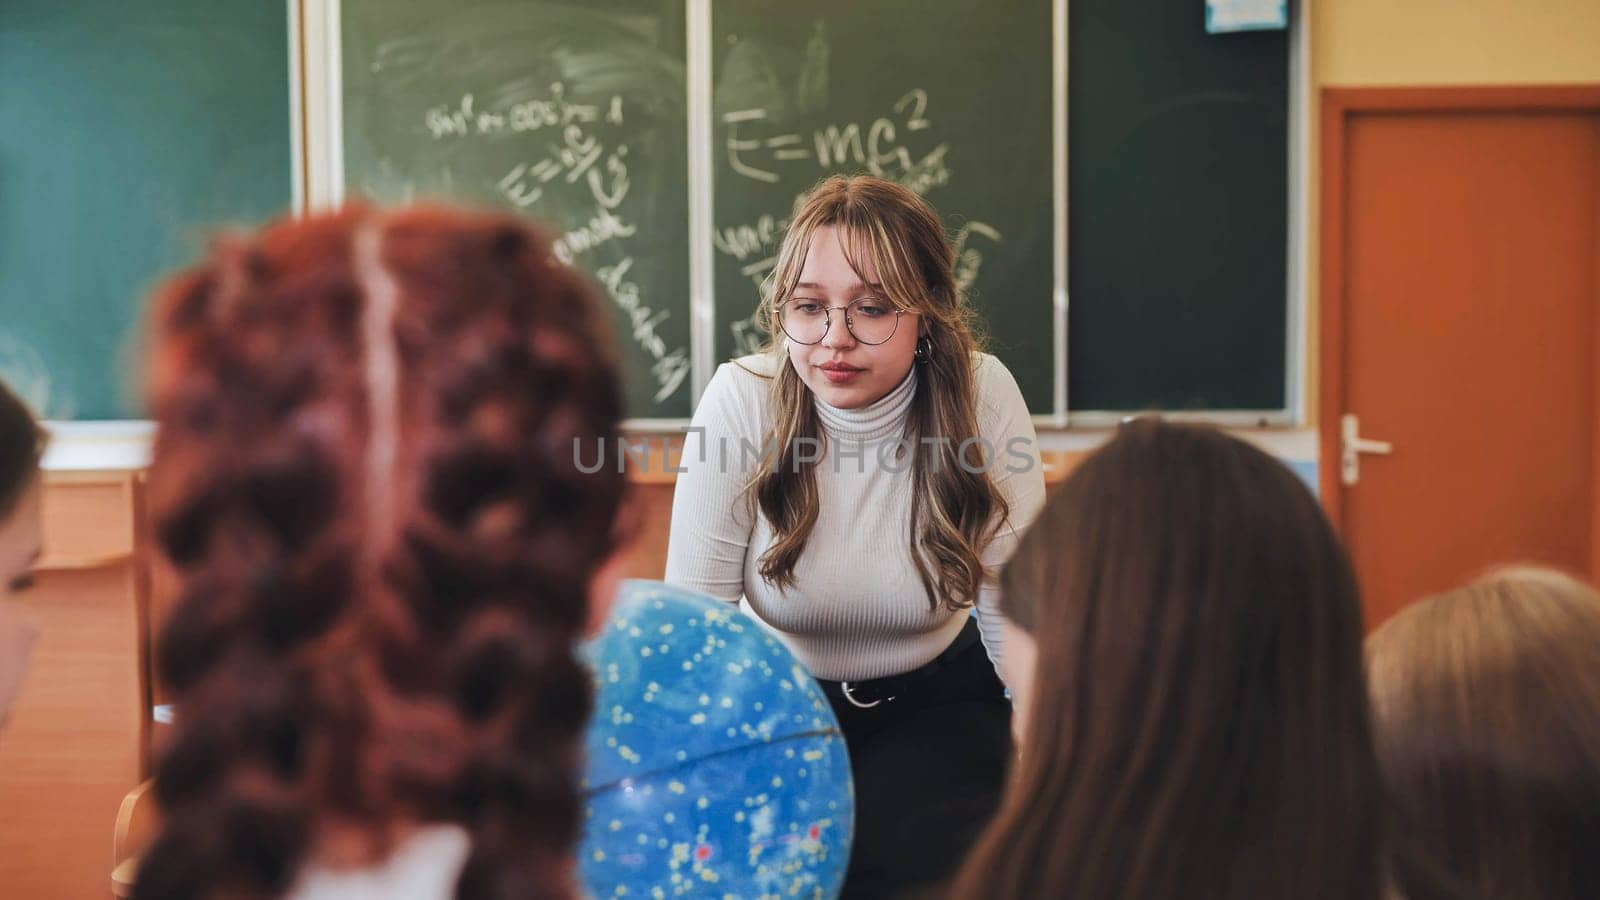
855 486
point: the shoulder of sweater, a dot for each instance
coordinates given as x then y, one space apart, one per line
748 375
995 389
736 397
988 369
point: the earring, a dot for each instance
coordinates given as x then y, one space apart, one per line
924 351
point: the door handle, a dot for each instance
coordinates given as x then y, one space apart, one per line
1352 445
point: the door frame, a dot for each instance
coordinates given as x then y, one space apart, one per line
1339 106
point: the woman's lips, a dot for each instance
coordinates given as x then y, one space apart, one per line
839 373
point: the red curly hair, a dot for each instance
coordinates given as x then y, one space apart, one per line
365 475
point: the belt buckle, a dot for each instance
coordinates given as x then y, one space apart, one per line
844 688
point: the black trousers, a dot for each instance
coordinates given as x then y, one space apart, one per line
929 767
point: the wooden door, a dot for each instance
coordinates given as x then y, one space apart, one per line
1461 282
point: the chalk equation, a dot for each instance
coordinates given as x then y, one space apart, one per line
576 170
878 148
576 158
464 119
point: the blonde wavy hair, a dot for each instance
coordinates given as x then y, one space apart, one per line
955 507
1486 706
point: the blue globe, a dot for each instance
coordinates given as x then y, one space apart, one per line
716 767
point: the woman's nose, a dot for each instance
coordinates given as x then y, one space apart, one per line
838 333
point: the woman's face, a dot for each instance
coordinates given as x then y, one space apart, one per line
19 551
1016 669
20 543
840 370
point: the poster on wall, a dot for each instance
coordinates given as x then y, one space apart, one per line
1223 16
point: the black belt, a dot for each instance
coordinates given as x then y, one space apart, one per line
870 693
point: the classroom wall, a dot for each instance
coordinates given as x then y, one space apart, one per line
1455 41
1435 42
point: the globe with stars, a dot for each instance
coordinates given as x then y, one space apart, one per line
715 765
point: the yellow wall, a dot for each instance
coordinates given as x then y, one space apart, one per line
1434 42
1455 41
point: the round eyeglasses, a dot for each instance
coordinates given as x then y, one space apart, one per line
869 320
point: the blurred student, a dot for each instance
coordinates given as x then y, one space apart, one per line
1487 708
365 476
21 446
1185 650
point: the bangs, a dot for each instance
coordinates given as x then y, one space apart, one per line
866 243
867 240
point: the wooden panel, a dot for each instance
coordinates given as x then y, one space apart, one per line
649 550
74 745
88 519
1058 464
163 597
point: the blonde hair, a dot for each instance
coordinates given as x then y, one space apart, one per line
955 508
1486 702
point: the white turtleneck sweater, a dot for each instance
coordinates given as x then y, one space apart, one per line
858 610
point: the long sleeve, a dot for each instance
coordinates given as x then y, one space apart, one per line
711 522
1018 473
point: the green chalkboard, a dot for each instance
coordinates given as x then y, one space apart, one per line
952 98
128 131
571 113
1178 211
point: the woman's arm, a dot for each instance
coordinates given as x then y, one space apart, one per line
1018 473
711 522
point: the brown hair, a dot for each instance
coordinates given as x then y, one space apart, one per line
955 507
1198 727
22 444
365 476
1487 707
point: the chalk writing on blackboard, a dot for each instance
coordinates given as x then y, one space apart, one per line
463 119
757 156
668 368
577 163
969 259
